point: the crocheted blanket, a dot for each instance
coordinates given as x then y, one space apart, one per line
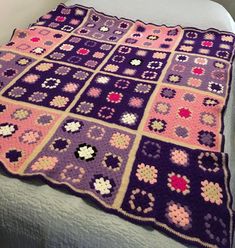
126 113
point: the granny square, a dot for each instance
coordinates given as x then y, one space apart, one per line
49 84
102 27
162 187
210 43
153 37
88 145
11 65
18 138
115 100
36 41
80 51
195 71
137 63
63 18
175 111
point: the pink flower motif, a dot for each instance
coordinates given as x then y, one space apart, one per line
198 71
147 173
74 22
194 82
35 39
179 215
179 157
83 51
94 92
31 78
45 163
8 57
207 43
184 113
136 102
114 97
47 16
178 183
211 192
98 55
70 87
30 137
60 18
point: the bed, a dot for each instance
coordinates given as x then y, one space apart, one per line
33 214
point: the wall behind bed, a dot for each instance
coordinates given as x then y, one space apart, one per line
229 5
20 13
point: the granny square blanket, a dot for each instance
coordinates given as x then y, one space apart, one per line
126 113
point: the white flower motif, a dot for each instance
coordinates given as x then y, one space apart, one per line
103 80
72 126
6 130
128 118
201 61
215 87
104 29
103 186
135 62
51 83
66 47
154 65
38 50
86 152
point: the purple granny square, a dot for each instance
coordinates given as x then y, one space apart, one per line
63 18
209 43
49 84
115 100
196 71
11 65
82 52
86 155
167 193
103 27
137 63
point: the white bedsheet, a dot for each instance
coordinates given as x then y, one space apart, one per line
189 13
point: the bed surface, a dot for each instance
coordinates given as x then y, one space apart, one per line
201 13
58 219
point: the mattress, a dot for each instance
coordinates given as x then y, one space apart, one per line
34 215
